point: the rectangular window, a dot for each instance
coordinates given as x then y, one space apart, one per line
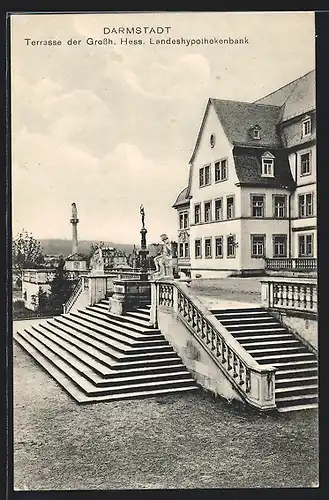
197 214
257 205
219 246
186 250
198 249
280 245
181 220
305 245
231 246
257 245
305 164
207 248
267 167
280 206
230 207
181 250
207 178
207 211
306 127
221 170
305 205
185 220
219 209
201 177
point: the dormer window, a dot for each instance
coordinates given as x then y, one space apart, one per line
267 165
306 126
255 132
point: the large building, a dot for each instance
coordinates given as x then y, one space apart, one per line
251 193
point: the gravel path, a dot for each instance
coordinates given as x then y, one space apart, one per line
181 441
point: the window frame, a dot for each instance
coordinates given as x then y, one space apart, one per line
266 159
256 255
186 249
285 237
307 120
233 236
222 211
205 204
181 250
284 196
233 198
202 172
304 197
197 205
222 246
220 170
260 195
305 235
206 240
200 248
301 154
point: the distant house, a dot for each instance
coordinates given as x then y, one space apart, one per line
251 194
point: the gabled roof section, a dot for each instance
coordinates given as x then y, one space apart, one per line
248 168
239 117
75 257
297 97
182 198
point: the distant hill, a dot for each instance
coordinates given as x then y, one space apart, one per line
64 247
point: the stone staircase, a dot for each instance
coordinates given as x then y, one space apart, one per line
269 342
96 356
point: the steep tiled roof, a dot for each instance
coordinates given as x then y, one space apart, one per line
182 198
248 168
297 97
237 119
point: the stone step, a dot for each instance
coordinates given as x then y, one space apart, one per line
248 321
117 327
284 358
291 401
298 390
284 365
254 338
268 343
268 325
108 346
123 321
139 315
236 332
310 406
296 372
101 334
82 391
294 381
239 312
299 349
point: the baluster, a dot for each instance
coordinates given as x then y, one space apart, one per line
298 295
229 356
219 347
198 323
275 294
235 365
248 380
212 339
292 296
241 373
305 290
223 352
189 312
311 297
281 294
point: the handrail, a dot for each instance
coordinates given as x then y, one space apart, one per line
238 365
300 263
290 294
74 295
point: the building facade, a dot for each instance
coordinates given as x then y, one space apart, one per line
251 194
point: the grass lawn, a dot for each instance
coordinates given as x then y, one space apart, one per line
181 441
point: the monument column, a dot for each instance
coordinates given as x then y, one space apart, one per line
74 221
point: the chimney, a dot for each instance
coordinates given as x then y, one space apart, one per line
74 221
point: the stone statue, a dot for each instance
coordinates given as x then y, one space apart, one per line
74 211
142 212
97 262
163 262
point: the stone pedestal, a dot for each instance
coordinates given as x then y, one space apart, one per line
129 295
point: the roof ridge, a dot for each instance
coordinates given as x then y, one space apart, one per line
244 102
283 86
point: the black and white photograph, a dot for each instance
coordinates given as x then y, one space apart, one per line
164 251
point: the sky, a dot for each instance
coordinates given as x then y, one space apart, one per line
111 127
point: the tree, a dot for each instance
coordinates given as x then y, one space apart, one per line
60 287
27 252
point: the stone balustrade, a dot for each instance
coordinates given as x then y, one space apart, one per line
290 294
254 382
